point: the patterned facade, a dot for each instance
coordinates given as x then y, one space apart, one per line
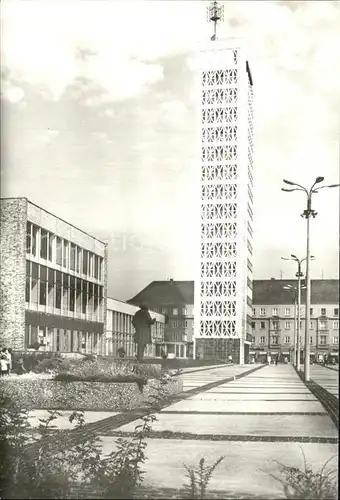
224 282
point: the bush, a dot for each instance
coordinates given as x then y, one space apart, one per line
307 483
53 364
31 360
102 367
69 377
199 478
52 469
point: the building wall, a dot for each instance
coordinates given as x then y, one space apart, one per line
12 272
179 329
220 349
278 321
222 294
62 283
120 331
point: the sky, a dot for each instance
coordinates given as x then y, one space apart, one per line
98 126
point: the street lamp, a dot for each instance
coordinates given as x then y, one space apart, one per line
307 213
299 275
296 341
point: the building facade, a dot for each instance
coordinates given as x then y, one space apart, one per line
274 319
174 300
223 292
120 331
53 282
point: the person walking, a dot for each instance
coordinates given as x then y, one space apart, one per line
142 322
3 365
9 360
269 359
7 353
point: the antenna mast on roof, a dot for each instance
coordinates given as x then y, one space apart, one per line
215 13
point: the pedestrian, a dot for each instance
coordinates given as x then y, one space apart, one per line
276 360
142 322
9 360
230 358
269 359
3 365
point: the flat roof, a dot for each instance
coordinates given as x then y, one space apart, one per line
54 215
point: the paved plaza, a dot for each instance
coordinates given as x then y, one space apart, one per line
255 421
328 378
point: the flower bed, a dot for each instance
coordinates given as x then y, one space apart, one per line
44 393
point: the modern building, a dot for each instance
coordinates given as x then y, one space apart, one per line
223 284
53 282
120 331
175 300
274 319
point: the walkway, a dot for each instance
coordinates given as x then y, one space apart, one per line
255 421
328 379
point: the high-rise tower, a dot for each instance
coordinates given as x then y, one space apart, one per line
223 285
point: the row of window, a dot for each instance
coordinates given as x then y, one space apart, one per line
176 337
58 339
41 243
179 324
122 324
288 311
174 311
57 290
322 340
275 325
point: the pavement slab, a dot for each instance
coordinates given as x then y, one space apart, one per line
246 468
62 422
197 404
328 379
216 395
246 425
265 417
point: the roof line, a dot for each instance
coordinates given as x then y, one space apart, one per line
54 215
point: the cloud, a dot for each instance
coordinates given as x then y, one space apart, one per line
14 94
121 95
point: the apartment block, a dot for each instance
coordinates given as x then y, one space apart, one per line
275 319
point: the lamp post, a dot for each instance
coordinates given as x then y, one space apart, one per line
290 287
307 213
299 275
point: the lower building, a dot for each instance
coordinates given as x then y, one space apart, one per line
120 331
174 300
275 316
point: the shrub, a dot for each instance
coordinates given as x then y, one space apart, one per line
121 352
31 359
69 377
102 367
307 483
52 364
53 468
199 478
